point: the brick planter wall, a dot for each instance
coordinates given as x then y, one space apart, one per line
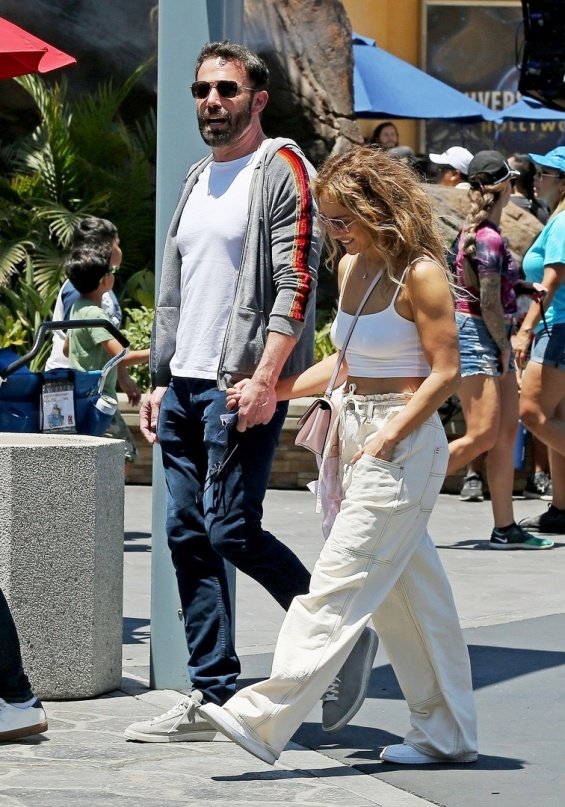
293 467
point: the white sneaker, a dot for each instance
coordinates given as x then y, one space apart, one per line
15 724
180 724
404 754
237 732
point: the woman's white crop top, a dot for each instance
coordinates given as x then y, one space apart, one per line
382 345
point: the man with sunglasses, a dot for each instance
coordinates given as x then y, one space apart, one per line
236 301
452 167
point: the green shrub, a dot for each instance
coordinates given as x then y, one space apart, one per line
80 160
137 327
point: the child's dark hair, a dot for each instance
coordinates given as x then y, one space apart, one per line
85 268
95 232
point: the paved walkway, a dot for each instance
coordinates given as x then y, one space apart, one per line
512 608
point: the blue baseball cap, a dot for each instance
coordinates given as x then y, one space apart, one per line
553 159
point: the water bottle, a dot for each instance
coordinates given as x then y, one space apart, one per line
520 448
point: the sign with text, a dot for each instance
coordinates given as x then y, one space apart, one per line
476 49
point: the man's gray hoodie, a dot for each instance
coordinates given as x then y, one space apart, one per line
277 276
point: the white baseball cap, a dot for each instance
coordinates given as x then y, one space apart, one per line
456 156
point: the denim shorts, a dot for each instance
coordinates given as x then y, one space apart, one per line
479 353
549 347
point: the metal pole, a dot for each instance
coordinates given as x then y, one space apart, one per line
183 29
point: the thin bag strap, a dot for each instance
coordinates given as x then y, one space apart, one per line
341 354
346 275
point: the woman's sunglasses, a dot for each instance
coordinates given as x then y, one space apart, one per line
225 88
337 225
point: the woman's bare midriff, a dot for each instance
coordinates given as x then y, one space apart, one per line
383 386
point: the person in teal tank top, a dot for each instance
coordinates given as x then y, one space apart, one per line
542 338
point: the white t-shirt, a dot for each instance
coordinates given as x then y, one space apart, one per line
210 241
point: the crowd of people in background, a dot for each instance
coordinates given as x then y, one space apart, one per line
500 298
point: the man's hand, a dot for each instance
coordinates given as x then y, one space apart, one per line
149 414
256 405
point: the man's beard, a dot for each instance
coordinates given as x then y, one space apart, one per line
235 126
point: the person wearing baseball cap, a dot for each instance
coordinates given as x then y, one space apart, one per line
453 166
542 335
489 168
487 272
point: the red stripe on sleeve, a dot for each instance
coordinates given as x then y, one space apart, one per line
302 232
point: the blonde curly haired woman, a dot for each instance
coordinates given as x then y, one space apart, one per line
379 562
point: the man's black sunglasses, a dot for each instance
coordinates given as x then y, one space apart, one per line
225 88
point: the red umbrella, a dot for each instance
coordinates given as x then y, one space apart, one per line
22 53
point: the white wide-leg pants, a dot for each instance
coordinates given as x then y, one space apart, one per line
378 563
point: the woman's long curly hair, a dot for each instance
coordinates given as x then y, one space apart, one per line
387 199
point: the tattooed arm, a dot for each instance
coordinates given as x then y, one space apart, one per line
493 315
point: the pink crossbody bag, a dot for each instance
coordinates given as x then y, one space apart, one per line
316 424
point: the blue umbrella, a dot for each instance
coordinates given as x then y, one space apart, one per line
528 109
387 87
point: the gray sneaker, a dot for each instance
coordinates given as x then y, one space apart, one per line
180 724
472 490
344 696
553 521
539 486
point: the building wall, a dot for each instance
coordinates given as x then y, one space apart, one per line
396 25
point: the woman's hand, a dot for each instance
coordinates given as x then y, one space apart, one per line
539 292
522 344
381 446
233 394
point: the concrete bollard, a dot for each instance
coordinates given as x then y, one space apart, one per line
61 558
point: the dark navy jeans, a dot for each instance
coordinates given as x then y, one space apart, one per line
209 520
14 684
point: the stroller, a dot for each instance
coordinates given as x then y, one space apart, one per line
57 401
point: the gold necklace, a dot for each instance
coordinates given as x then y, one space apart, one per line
366 273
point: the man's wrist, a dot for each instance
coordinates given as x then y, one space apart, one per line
265 379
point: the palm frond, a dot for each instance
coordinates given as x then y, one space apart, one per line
81 159
13 255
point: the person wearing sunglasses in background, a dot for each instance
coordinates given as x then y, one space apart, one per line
237 299
379 562
102 235
452 167
542 338
92 274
